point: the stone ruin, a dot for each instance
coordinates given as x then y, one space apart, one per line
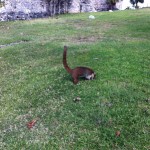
28 9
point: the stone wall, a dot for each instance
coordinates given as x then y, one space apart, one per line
93 5
27 9
23 9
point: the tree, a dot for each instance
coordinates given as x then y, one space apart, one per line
1 3
112 3
58 6
135 2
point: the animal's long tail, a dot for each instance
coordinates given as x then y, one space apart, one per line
69 70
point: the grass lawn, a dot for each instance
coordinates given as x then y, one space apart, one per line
113 111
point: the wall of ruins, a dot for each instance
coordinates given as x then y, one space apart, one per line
27 9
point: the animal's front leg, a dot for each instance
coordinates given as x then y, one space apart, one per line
75 80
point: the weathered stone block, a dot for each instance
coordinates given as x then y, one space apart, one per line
27 9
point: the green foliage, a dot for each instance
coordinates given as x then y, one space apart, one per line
112 2
34 84
136 1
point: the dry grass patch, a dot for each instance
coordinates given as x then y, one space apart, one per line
86 39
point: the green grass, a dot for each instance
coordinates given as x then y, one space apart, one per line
33 82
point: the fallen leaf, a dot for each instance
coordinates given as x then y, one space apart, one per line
31 123
77 99
148 100
118 133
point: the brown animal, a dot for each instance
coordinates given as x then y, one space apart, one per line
77 72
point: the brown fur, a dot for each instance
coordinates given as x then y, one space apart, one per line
78 71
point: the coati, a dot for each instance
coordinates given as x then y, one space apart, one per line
77 72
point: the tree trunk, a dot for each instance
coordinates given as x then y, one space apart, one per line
136 5
65 6
51 7
54 7
59 7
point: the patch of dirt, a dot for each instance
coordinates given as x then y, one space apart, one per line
87 39
13 43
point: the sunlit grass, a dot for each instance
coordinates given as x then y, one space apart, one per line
34 84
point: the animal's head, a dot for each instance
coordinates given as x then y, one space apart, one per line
92 76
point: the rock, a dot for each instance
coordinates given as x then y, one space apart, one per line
110 11
77 99
91 17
